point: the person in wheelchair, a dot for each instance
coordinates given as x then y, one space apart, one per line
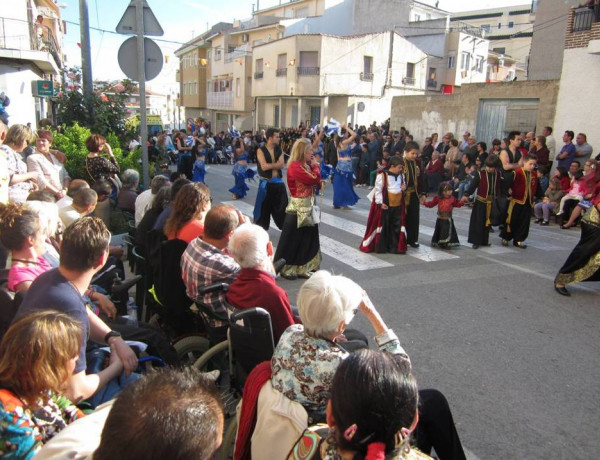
205 262
255 284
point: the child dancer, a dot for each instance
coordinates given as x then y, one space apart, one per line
199 170
444 235
385 226
413 191
487 185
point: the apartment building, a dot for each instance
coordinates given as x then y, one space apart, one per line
509 31
31 58
304 78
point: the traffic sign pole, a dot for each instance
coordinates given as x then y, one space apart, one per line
139 14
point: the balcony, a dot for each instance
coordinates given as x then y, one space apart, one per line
258 75
219 99
469 29
23 40
432 83
583 18
239 53
281 72
408 81
308 70
366 76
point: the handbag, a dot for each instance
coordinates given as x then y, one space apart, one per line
316 211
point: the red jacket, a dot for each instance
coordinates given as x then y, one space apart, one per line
522 181
257 288
301 181
436 166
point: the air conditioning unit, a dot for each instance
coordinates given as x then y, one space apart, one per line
245 38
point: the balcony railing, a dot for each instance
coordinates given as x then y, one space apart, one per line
408 81
281 72
308 70
236 54
431 83
21 35
469 29
583 18
258 75
366 76
219 99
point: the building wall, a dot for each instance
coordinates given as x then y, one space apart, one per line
457 113
548 41
15 81
293 8
578 96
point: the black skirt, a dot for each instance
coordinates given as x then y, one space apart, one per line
299 247
583 264
444 234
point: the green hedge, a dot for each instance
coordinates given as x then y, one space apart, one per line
71 141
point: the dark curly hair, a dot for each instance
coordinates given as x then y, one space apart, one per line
189 203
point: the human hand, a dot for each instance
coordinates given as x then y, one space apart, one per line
464 199
126 355
115 360
403 187
546 200
105 304
384 206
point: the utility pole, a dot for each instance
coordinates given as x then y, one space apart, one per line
141 68
86 59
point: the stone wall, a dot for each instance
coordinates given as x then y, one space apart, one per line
457 113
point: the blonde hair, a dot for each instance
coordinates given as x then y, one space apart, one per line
299 149
35 352
16 135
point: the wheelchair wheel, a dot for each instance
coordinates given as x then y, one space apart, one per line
216 357
190 348
225 452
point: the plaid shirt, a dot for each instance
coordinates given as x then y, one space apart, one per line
203 264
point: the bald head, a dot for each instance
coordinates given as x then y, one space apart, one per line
75 186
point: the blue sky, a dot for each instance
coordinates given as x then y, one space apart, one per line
181 20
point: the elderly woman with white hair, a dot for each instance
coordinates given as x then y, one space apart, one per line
308 355
255 284
130 179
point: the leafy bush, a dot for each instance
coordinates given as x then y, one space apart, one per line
71 141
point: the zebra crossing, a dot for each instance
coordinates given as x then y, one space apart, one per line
337 232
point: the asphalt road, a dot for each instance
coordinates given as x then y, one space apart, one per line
518 362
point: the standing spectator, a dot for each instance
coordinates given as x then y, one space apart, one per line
540 150
374 148
98 167
568 151
582 148
550 142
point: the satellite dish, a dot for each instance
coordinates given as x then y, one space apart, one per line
153 59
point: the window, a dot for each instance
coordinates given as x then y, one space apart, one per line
309 63
368 64
486 27
432 78
184 62
217 54
184 89
465 60
208 86
479 64
499 50
281 65
195 87
417 17
410 69
238 87
511 25
499 25
258 72
208 54
451 62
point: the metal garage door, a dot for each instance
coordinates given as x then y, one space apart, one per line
497 117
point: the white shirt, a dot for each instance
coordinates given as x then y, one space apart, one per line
394 186
551 144
143 202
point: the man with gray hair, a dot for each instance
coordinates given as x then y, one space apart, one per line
255 284
144 200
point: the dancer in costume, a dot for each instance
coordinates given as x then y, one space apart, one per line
524 185
240 171
444 234
271 199
487 184
299 242
199 170
583 264
413 190
385 226
343 191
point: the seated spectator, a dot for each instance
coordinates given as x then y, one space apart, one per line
482 153
573 168
37 357
575 192
453 158
130 179
434 172
471 150
204 262
22 233
52 173
326 304
552 197
586 204
74 186
255 284
496 147
174 414
543 179
47 213
103 189
144 200
159 202
178 184
563 176
83 204
84 252
191 204
372 413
